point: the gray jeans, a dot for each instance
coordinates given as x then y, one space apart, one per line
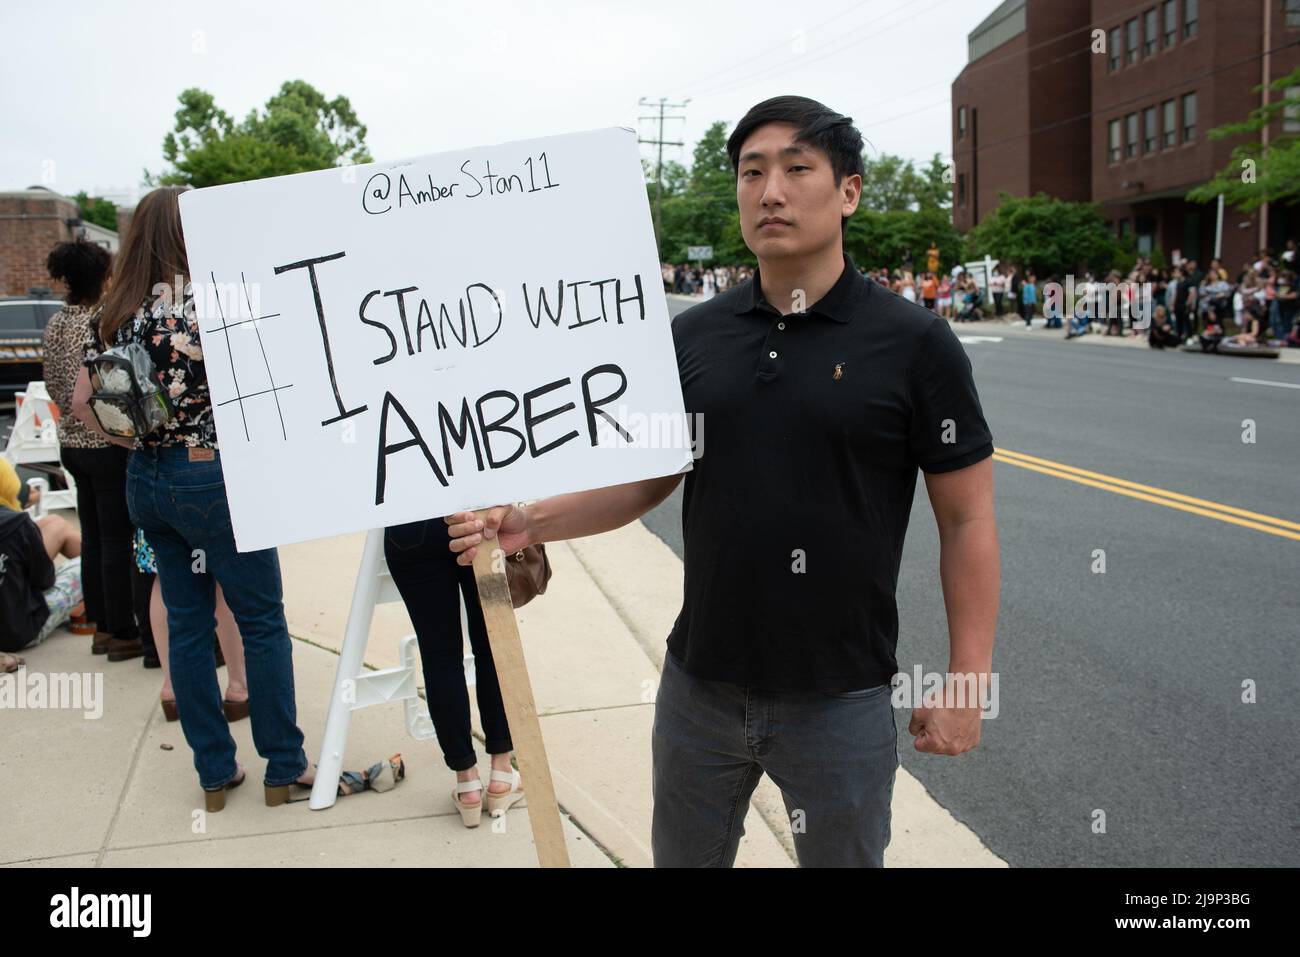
832 755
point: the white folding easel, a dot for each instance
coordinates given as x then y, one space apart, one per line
355 687
34 440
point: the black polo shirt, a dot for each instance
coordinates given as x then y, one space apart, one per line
794 515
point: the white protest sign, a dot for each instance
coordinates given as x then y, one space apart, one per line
397 341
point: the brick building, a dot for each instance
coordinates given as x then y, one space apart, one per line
1038 108
1025 73
32 222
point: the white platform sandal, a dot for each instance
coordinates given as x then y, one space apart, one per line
500 803
469 813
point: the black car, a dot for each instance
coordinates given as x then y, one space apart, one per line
22 327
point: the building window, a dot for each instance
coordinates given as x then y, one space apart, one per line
1170 123
961 189
1131 40
1291 112
1189 117
1131 135
1293 13
1152 135
1124 228
1116 45
1115 148
1189 18
1171 23
1145 227
961 122
1151 32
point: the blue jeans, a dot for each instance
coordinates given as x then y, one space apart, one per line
181 506
832 755
1278 327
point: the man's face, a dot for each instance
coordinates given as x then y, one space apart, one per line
790 204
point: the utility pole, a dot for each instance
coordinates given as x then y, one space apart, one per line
660 142
1268 39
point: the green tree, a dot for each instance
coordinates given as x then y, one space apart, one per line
699 208
298 130
97 210
711 166
888 239
889 183
1049 235
936 185
1257 174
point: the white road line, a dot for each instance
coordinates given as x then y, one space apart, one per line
1280 385
979 338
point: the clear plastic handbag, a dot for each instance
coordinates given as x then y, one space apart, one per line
126 397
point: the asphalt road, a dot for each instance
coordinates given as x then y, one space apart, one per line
1122 692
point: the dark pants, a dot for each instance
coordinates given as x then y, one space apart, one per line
1027 311
141 593
106 532
425 572
1161 337
997 302
832 755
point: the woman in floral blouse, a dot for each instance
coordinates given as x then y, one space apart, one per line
177 495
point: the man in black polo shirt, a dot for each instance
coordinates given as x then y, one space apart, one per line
822 393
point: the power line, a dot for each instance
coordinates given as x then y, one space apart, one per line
773 49
660 142
769 73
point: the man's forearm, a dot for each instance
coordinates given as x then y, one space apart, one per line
579 514
970 570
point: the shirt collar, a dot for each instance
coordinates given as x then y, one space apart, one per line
841 301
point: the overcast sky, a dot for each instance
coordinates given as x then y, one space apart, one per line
88 89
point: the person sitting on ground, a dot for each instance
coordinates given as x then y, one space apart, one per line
1211 337
35 598
1081 321
1252 332
972 298
1162 334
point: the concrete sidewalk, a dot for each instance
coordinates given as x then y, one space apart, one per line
110 791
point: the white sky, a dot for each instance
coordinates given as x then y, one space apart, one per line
88 89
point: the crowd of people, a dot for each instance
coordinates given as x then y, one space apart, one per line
1183 303
685 279
152 571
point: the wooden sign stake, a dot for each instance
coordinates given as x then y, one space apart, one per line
521 710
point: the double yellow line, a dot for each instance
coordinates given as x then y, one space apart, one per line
1148 493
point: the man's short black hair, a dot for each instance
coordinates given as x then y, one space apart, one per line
818 125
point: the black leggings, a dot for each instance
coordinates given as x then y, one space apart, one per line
425 572
106 533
